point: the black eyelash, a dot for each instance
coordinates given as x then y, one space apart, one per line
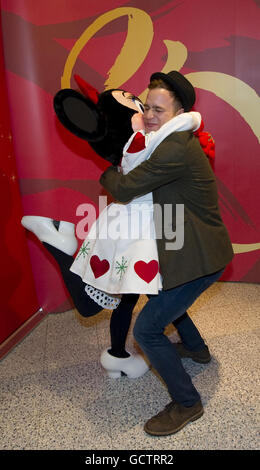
127 97
131 97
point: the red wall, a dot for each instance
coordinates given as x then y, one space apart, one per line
18 297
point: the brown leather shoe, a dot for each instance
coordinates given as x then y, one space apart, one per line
173 418
203 356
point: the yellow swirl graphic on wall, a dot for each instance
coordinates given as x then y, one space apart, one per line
245 247
134 50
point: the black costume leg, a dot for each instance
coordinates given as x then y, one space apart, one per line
121 316
120 324
83 303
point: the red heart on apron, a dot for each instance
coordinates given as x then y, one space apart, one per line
146 271
99 267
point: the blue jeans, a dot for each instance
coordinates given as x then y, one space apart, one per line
162 309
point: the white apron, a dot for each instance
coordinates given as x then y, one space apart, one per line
119 254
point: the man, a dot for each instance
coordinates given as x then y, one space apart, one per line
177 172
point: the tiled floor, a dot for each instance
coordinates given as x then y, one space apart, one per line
54 393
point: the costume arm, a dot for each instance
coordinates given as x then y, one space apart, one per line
166 164
196 118
187 121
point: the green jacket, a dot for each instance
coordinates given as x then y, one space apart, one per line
178 172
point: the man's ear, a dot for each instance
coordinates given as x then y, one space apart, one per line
180 111
79 115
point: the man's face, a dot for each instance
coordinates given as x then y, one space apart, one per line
158 109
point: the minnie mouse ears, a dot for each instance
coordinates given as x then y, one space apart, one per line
100 119
79 114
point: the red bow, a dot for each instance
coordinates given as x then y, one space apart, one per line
88 90
206 141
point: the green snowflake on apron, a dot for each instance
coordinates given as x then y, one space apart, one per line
121 267
84 249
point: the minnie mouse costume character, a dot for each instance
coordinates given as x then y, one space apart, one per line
104 120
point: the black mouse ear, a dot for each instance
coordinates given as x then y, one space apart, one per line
79 115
